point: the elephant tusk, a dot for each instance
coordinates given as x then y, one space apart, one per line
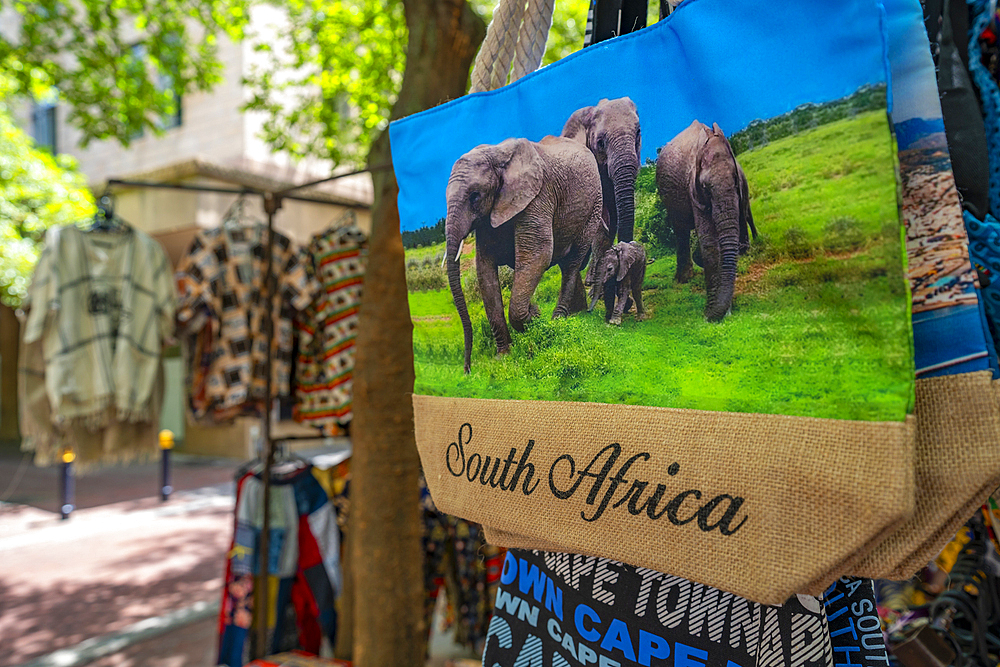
461 244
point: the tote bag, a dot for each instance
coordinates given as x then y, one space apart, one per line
561 609
742 388
957 462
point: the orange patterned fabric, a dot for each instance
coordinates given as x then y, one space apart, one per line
327 329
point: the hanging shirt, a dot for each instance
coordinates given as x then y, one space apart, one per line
303 565
102 304
328 328
221 281
100 309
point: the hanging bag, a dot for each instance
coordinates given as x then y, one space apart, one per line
957 461
725 390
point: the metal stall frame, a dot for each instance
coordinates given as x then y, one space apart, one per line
272 200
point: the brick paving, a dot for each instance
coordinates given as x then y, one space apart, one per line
113 563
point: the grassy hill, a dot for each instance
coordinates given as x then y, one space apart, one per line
819 325
808 195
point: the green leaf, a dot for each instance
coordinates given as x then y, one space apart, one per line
37 191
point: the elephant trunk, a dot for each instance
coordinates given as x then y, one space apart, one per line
727 226
623 168
595 295
455 282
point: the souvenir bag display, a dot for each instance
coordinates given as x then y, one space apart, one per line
562 609
957 460
680 337
957 463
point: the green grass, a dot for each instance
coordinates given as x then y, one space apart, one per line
427 252
821 337
807 182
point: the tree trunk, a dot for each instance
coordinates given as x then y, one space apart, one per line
10 334
344 650
387 559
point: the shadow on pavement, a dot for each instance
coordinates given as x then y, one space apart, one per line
54 596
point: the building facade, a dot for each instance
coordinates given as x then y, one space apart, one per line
209 142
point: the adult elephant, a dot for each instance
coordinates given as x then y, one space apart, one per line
532 206
611 131
703 188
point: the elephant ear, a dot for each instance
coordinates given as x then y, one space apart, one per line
629 254
624 263
521 176
578 124
698 198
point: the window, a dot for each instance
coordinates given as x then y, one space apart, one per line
43 125
164 83
174 119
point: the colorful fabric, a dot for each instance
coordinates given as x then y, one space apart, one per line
327 329
457 558
984 249
236 611
221 279
457 562
303 565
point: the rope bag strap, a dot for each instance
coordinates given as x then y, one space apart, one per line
516 36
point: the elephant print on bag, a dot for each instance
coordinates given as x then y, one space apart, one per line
611 131
532 205
620 274
703 188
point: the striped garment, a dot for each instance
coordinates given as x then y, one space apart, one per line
327 330
102 304
303 566
99 311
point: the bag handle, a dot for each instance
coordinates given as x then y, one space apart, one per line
611 18
516 35
520 28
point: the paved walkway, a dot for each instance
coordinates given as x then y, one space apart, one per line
193 645
123 564
24 484
112 564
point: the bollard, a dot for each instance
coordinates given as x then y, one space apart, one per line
166 444
66 484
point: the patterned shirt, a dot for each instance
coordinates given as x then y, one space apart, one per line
327 330
221 310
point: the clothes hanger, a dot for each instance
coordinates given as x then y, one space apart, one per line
285 461
104 217
347 220
236 213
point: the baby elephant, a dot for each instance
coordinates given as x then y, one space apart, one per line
622 271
